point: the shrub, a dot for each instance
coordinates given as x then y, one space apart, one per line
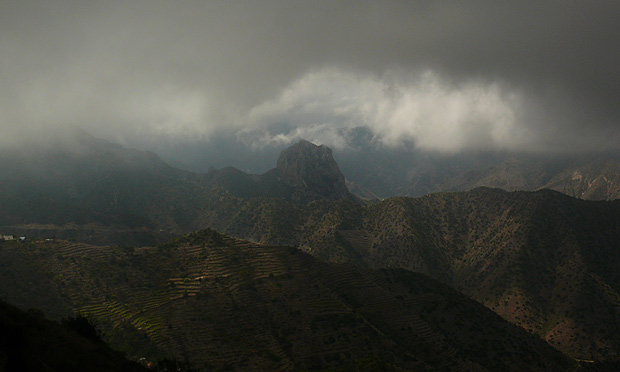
83 326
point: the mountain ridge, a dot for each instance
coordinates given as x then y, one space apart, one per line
93 182
516 252
220 302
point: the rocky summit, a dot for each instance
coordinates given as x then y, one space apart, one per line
311 172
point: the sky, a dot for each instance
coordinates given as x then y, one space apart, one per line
440 76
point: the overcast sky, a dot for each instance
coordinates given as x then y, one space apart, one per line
444 75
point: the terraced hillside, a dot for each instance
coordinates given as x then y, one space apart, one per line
542 260
223 303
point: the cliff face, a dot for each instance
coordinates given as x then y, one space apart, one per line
311 172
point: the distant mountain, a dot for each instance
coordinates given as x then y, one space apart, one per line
413 174
361 191
588 179
389 172
311 172
85 188
596 180
304 172
515 173
227 304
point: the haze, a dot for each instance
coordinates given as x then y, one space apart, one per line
205 82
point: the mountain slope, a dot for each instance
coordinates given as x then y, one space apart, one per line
88 180
89 189
597 180
542 260
528 256
510 175
28 342
225 303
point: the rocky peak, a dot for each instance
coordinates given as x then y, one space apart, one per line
311 172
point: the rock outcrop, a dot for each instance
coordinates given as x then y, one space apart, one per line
311 172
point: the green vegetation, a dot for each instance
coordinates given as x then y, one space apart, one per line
206 237
84 327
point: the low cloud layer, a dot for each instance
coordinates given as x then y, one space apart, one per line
427 111
445 76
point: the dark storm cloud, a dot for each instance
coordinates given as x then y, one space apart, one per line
447 75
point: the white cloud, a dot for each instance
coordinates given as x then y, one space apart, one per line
436 115
133 70
165 113
318 134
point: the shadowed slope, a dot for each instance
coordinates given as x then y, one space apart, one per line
226 303
542 260
28 342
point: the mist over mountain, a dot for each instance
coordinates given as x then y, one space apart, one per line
515 252
415 173
476 143
374 170
86 180
441 81
78 184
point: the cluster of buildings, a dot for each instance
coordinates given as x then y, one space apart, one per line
11 237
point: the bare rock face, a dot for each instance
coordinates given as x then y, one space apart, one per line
597 180
311 172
